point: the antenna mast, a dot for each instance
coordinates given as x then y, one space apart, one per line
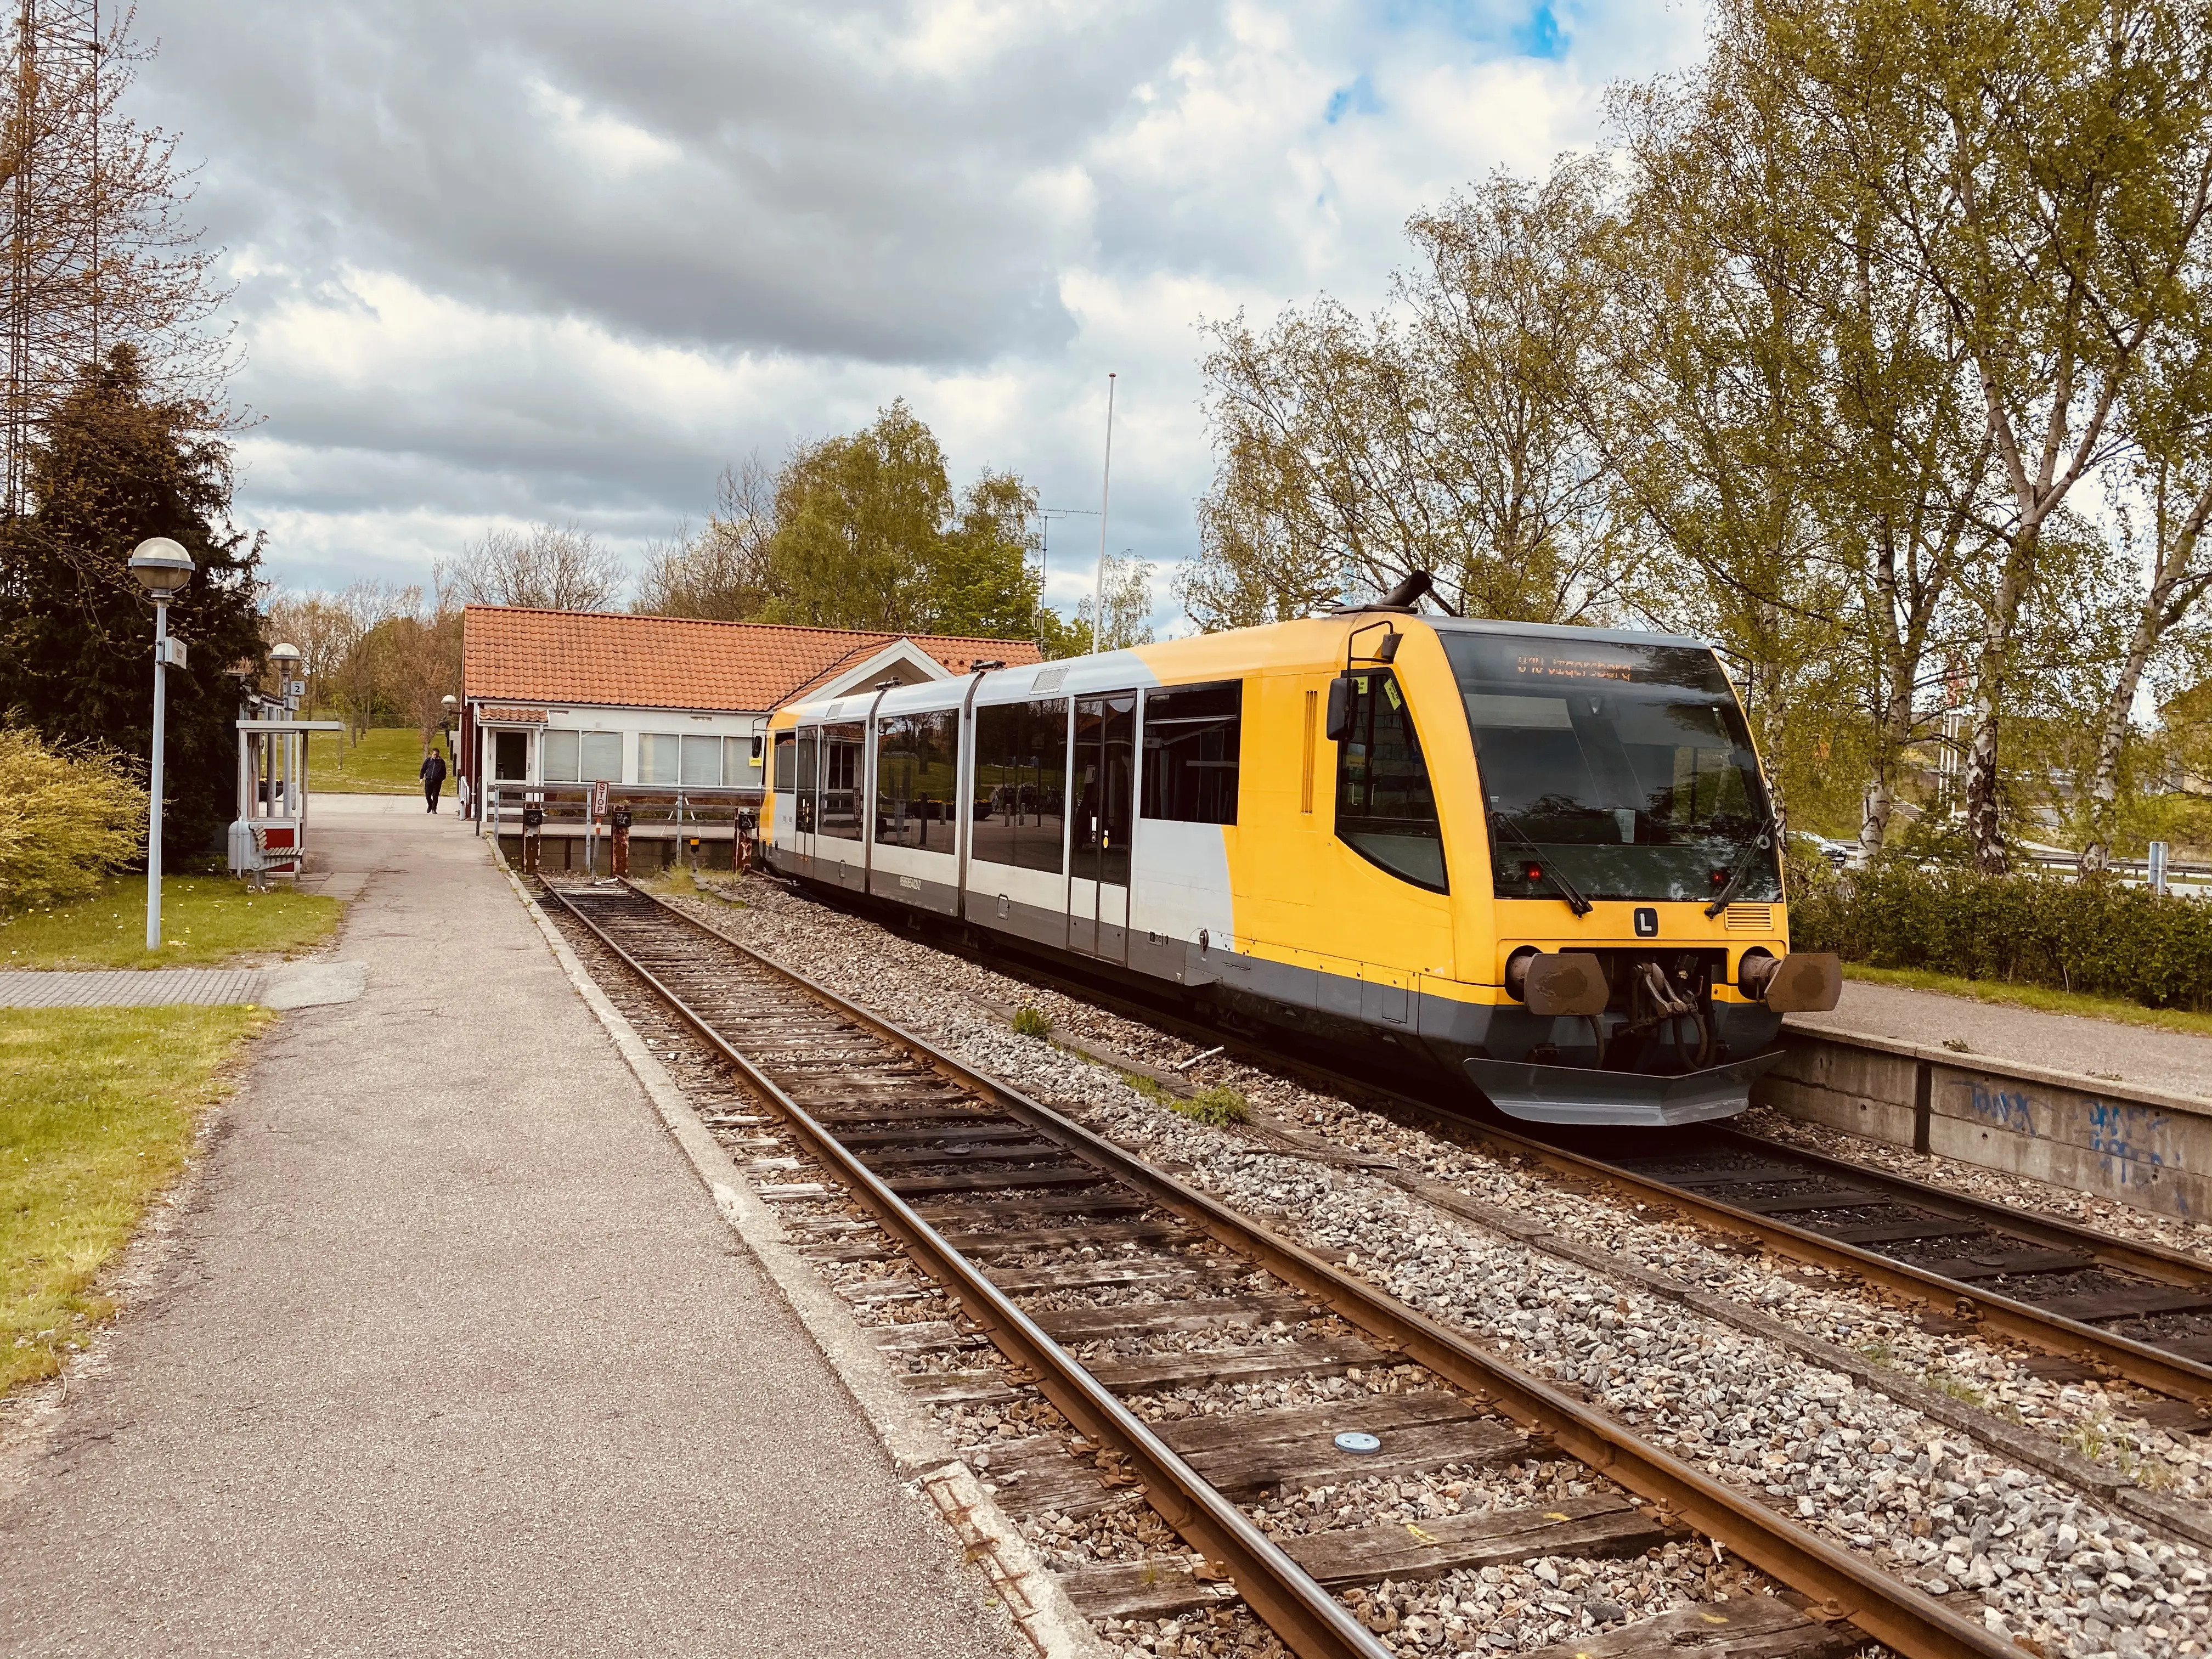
51 196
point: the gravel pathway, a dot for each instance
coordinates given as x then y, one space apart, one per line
2044 1562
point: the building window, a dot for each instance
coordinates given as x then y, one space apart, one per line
1385 810
841 746
741 755
1021 784
583 758
1191 745
510 756
561 757
703 761
601 757
756 748
658 758
916 781
786 761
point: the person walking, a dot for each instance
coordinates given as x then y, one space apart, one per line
433 777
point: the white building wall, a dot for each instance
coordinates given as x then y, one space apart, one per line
637 723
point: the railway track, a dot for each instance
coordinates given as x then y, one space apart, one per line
2091 1303
1038 1229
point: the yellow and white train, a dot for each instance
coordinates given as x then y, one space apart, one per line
1540 858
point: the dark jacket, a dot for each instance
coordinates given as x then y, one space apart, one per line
434 768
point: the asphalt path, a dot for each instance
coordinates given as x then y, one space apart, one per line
2177 1062
453 1355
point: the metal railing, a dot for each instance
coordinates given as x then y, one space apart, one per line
665 813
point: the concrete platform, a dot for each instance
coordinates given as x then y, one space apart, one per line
453 1355
2121 1111
2173 1062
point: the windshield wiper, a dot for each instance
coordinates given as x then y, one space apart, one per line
1574 900
1759 844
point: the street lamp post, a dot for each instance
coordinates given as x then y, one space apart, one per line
449 707
162 567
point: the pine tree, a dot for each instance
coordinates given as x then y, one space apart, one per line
114 465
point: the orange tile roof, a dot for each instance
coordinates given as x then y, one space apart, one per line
611 658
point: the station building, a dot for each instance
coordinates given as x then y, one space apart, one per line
664 706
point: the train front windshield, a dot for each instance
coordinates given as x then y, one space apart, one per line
1625 769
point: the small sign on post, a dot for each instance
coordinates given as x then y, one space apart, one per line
599 801
295 688
2156 870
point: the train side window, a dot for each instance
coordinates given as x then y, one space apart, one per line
1021 784
1192 737
915 777
1386 811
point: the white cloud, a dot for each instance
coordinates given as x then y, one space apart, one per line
545 260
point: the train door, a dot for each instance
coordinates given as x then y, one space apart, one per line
805 807
839 817
1105 788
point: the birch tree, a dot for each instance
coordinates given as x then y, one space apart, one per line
2067 152
2172 505
1440 434
1716 388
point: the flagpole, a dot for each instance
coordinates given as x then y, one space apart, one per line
1105 487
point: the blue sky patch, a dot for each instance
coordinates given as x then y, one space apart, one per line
1539 36
1532 33
1358 99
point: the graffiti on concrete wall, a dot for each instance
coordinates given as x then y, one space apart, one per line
2135 1145
2131 1140
2012 1110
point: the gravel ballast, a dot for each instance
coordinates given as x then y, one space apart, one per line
2044 1562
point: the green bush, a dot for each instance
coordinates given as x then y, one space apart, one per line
2095 935
1032 1023
68 816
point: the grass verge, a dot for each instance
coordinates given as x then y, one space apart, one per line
387 761
2040 998
204 919
97 1107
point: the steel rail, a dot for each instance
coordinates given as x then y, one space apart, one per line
1841 1585
2152 1261
1311 1621
2054 1333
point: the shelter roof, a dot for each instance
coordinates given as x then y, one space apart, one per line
613 659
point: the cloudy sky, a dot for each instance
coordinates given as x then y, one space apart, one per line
504 262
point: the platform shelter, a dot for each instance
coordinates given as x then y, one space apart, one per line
670 714
269 835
